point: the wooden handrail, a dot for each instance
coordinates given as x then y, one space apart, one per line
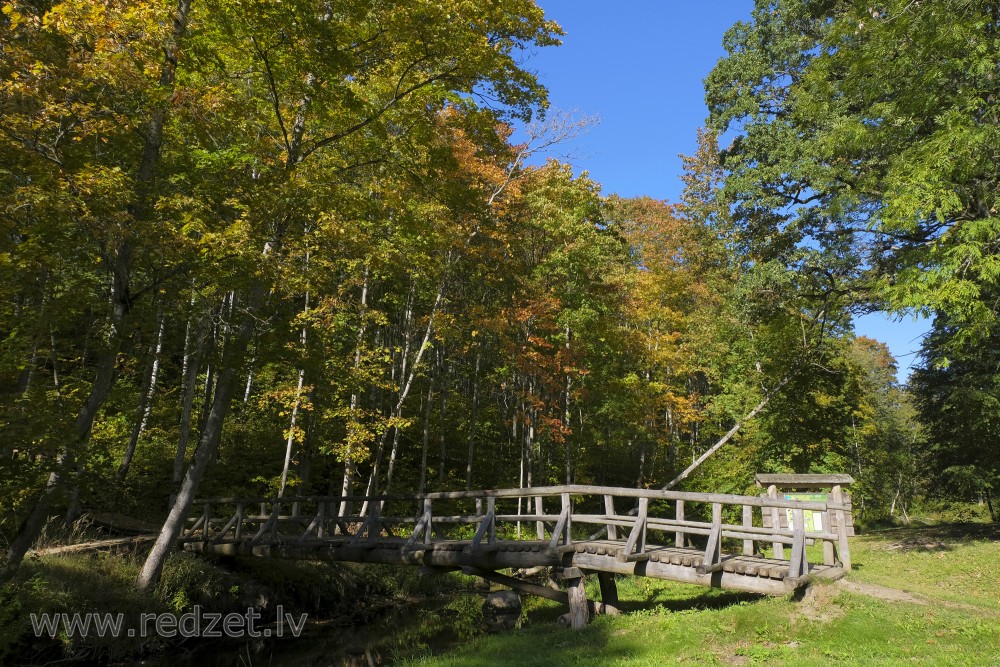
315 518
551 491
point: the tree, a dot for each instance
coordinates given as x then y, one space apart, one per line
865 132
957 393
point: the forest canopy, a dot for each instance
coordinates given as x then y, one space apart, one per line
253 247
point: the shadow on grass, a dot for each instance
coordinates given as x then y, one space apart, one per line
954 532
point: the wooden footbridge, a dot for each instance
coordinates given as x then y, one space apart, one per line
710 539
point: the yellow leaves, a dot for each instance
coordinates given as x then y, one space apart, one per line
15 17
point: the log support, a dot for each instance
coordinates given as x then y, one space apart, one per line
609 594
579 614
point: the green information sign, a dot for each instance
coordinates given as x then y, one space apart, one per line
814 520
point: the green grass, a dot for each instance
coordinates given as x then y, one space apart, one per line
672 623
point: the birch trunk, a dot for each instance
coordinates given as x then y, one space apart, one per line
145 398
290 441
443 464
398 409
347 486
426 438
207 448
191 366
472 421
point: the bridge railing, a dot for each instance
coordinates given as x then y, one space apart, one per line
560 516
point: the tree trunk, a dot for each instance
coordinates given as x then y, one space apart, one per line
404 392
347 486
736 427
566 416
191 365
32 526
290 440
145 397
207 448
426 439
443 465
472 421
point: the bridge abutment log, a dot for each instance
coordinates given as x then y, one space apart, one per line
576 594
609 595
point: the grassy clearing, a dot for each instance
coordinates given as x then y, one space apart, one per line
957 624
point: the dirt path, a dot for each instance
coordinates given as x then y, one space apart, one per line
897 595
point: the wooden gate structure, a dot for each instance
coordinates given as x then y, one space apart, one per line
710 539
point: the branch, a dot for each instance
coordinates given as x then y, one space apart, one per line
274 91
736 427
397 96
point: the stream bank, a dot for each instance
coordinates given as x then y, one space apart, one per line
351 609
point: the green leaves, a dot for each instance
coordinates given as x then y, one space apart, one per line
870 127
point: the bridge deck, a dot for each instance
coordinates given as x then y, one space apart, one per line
753 573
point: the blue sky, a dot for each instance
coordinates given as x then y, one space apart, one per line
640 66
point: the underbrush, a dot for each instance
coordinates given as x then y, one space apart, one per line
104 583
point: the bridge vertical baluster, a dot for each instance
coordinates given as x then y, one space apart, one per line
429 520
263 508
837 495
679 540
240 514
748 523
609 509
797 566
275 513
567 507
539 511
713 550
491 509
776 514
321 520
375 529
644 511
205 527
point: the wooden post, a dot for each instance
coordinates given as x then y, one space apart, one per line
578 612
239 520
644 511
748 523
429 520
679 536
779 549
540 510
275 513
491 512
829 552
797 565
205 526
844 551
712 560
637 537
609 593
609 509
567 507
